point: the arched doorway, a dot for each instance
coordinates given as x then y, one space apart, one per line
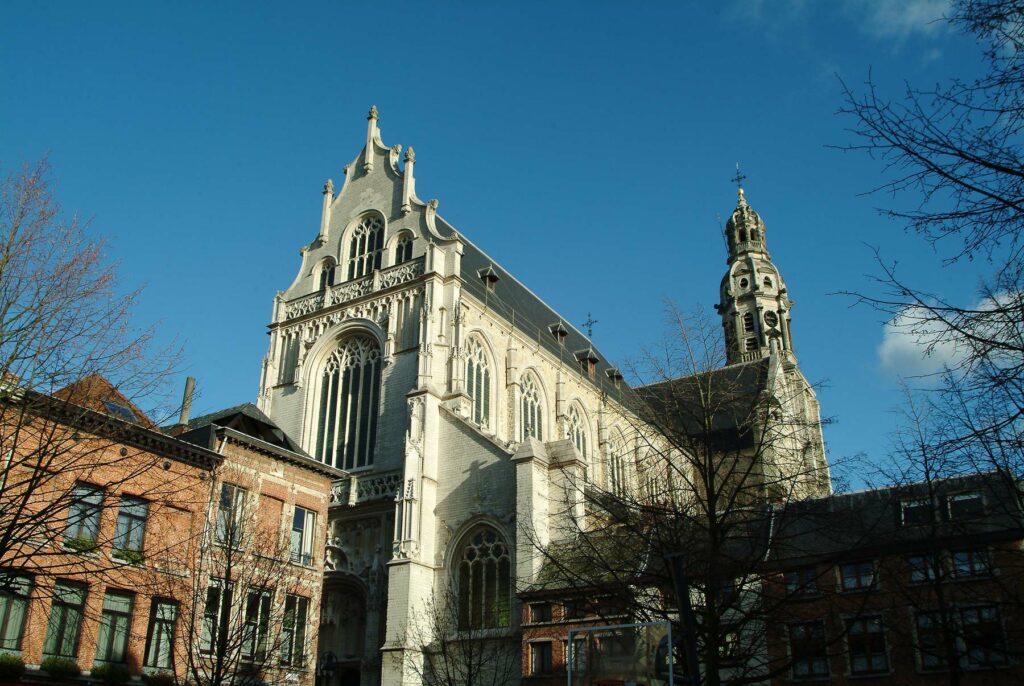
342 639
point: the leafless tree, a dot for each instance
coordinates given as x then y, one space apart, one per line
447 654
244 613
955 176
708 458
73 367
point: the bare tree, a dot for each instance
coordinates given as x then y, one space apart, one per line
707 459
244 613
447 654
72 369
955 168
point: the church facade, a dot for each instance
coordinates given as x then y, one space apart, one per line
461 407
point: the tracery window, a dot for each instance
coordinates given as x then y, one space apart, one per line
366 247
347 407
403 249
478 381
531 410
484 581
327 274
576 431
616 468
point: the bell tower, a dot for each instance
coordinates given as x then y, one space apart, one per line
754 303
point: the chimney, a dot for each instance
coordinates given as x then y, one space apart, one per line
186 400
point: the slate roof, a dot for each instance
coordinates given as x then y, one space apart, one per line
726 395
526 312
869 523
246 419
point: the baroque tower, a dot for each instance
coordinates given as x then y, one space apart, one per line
754 303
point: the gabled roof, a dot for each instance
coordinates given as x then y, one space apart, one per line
247 424
95 393
249 420
725 397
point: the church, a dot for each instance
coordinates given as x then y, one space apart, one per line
460 406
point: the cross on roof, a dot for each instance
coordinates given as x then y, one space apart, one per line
738 179
590 325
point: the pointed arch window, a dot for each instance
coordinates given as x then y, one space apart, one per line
576 431
366 247
403 249
327 274
484 580
531 410
616 468
478 382
348 404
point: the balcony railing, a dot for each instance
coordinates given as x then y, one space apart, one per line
358 489
379 280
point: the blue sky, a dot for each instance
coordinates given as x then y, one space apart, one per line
588 146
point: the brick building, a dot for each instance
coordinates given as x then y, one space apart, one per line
915 584
113 565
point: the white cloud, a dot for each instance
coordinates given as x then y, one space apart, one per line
899 19
911 347
882 20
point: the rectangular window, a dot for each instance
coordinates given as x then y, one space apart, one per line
160 636
808 650
293 631
131 523
931 646
84 517
303 532
923 568
857 576
112 640
579 655
540 658
230 514
865 643
65 620
257 625
984 641
915 512
540 612
972 564
965 505
802 582
216 614
14 592
730 650
575 609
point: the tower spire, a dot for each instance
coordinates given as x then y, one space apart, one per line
754 303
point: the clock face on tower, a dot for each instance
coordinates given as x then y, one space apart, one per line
771 319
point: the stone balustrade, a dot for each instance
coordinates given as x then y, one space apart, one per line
379 280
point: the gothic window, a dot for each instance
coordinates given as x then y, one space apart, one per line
327 274
484 581
576 431
748 322
743 235
366 247
616 468
347 406
478 381
403 249
531 410
755 235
